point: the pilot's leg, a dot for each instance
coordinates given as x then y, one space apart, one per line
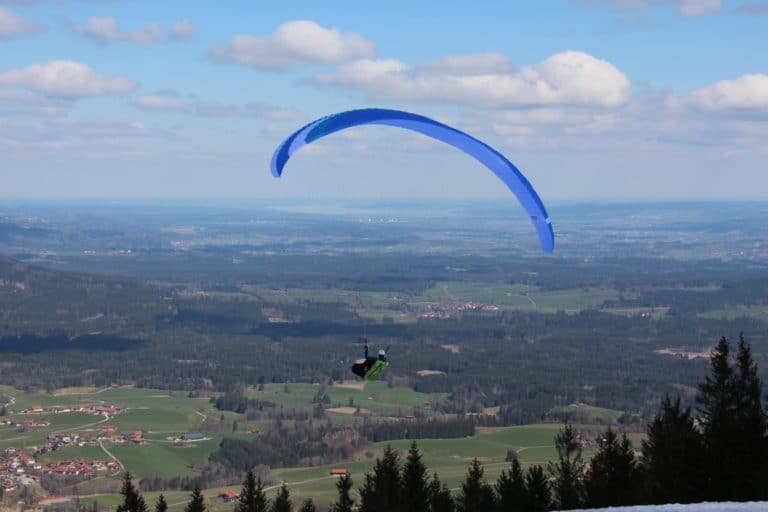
359 369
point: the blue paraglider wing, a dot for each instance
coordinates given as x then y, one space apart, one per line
495 161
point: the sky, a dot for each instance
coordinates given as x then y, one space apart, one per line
605 100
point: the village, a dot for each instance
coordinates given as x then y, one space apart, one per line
452 309
17 468
102 409
22 466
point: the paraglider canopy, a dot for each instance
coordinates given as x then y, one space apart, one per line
495 161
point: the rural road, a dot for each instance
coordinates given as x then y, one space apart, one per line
109 454
83 427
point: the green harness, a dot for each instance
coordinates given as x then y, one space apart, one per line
375 370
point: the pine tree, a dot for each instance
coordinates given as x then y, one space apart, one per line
415 486
717 409
673 457
476 495
612 478
196 502
345 502
440 498
537 490
568 472
308 506
132 500
282 501
382 489
161 505
510 489
252 497
752 425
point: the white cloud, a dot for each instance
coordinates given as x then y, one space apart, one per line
698 7
745 92
293 44
65 78
476 64
165 102
105 29
160 102
152 33
253 109
12 25
570 78
23 103
61 133
183 29
102 28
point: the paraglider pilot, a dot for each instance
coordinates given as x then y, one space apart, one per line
362 366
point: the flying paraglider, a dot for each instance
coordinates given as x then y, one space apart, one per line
495 161
370 367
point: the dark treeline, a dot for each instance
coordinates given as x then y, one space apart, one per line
236 401
209 474
418 429
308 442
30 344
283 445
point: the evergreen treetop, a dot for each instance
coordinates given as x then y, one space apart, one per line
196 502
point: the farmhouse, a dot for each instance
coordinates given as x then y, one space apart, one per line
35 423
229 495
54 500
135 436
339 472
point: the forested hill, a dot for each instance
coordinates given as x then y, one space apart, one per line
10 231
40 301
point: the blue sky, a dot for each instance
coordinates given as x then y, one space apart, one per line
593 99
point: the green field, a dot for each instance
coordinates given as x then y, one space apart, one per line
519 296
87 453
383 399
374 304
152 410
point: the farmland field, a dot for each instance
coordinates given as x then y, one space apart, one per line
376 396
